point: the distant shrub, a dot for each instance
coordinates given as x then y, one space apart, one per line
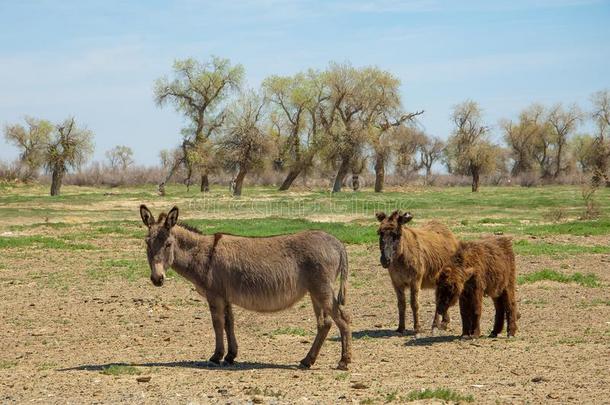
555 214
100 175
528 180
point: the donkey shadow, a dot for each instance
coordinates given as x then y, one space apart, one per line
374 334
200 365
430 340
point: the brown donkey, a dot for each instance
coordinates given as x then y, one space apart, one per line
258 274
414 257
483 267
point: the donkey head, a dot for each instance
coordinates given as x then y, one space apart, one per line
449 286
390 231
159 242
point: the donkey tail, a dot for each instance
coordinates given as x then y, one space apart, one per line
342 276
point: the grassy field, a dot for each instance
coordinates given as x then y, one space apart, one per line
83 321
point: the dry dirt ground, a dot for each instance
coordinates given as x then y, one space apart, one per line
63 325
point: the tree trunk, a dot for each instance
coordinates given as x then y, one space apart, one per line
239 180
475 181
290 178
428 174
558 161
56 179
379 173
341 173
355 182
205 183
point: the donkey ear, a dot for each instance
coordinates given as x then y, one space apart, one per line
147 216
380 216
404 218
172 218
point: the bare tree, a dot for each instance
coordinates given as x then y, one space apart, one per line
582 147
344 136
601 117
199 91
70 147
523 138
430 150
406 141
382 112
244 143
563 123
468 151
120 157
296 100
31 142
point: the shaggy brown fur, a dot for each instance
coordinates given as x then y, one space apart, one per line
414 257
483 267
259 274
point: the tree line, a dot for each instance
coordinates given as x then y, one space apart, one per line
343 118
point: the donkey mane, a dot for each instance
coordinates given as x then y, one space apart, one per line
190 228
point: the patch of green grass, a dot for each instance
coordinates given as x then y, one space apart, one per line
58 280
391 396
47 366
571 341
6 364
443 394
536 302
578 228
289 331
128 269
41 242
341 376
525 247
120 369
595 303
586 280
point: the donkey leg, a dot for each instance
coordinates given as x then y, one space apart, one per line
511 312
230 330
446 320
466 314
499 317
415 307
324 323
402 306
342 320
477 307
217 310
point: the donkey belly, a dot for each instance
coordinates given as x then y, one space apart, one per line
267 301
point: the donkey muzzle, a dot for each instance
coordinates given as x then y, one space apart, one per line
385 262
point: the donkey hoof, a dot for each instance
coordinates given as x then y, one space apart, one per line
215 360
400 331
342 365
305 364
493 335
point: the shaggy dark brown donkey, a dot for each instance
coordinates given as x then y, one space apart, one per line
482 267
259 274
414 257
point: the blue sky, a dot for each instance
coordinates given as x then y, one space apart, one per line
97 60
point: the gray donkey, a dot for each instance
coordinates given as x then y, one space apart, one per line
259 274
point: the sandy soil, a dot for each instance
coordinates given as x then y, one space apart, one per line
61 329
